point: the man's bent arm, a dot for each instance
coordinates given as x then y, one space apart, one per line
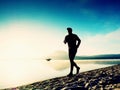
79 41
65 41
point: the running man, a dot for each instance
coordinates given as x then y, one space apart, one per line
73 43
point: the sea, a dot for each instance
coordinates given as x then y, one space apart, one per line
15 73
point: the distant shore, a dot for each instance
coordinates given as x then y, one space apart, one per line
99 79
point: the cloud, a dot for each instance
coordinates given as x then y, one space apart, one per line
101 44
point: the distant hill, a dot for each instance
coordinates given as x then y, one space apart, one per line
104 56
62 55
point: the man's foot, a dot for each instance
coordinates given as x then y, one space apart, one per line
70 75
78 68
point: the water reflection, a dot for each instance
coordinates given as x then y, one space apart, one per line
20 72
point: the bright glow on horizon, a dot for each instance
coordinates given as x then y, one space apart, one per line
21 40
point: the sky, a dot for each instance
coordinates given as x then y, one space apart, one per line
36 28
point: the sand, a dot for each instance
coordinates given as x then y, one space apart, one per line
99 79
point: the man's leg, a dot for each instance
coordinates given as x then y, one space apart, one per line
71 67
74 64
72 53
71 62
72 56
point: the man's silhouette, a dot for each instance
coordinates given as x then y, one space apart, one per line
73 43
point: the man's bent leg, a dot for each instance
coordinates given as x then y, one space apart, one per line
71 57
71 69
74 51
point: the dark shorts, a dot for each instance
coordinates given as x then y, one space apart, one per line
72 52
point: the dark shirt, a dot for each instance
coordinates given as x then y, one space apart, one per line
72 39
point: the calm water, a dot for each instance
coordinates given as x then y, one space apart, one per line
19 72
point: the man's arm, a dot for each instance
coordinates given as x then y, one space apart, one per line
79 41
65 41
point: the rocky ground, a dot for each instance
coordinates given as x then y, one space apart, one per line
100 79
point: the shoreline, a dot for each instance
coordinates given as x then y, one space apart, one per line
103 78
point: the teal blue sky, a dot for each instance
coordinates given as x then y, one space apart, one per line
92 16
95 21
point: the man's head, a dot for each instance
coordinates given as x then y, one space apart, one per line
69 30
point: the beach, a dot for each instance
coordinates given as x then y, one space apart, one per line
107 78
